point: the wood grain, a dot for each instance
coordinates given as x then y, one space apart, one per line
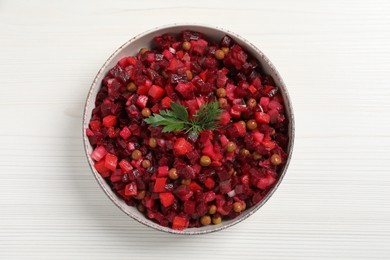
335 200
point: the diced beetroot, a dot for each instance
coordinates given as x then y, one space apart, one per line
94 125
130 146
131 189
189 207
111 132
180 54
98 153
241 130
182 147
268 89
167 54
109 121
268 144
142 101
210 151
275 105
111 162
125 166
143 90
258 137
262 117
225 187
156 92
194 187
175 65
125 133
230 91
206 135
123 62
224 118
264 101
209 196
89 132
221 79
235 112
186 172
159 185
185 89
116 176
252 89
179 223
148 202
166 102
199 46
266 182
132 60
102 169
163 171
183 192
273 115
167 199
209 183
245 179
197 168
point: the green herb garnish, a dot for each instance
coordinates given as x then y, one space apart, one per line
206 118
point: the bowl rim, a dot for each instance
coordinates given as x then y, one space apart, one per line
188 231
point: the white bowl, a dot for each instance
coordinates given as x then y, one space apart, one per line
145 40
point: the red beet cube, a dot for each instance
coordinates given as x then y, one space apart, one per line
183 192
142 100
98 153
131 189
167 54
111 161
182 147
252 89
209 196
125 166
162 171
167 199
210 150
143 90
262 117
185 89
194 187
179 223
189 207
224 118
199 46
125 133
166 102
156 92
109 121
209 183
264 101
116 176
94 125
241 129
159 185
265 182
102 169
258 137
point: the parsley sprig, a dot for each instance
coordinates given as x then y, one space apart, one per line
206 118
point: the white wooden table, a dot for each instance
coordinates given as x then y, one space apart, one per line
335 200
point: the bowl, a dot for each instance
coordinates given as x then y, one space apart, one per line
144 40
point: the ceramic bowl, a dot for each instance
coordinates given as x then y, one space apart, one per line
145 40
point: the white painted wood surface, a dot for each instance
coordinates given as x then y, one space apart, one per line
335 200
